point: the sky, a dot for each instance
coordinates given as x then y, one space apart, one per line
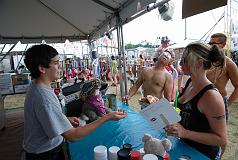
150 26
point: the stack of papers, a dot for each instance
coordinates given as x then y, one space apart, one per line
160 114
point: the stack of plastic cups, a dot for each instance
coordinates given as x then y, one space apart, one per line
150 157
100 153
135 155
113 152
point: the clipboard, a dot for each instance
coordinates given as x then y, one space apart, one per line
160 114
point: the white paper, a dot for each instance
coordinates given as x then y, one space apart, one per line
160 114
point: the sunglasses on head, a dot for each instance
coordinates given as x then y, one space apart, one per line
183 58
212 43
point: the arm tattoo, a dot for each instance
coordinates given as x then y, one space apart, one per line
219 117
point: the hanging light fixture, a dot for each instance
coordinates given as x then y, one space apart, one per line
166 11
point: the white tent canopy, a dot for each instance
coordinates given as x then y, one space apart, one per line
31 21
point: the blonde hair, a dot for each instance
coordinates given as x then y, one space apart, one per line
211 55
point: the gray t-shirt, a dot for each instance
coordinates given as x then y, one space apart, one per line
44 121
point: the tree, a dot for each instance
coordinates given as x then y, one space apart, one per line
144 44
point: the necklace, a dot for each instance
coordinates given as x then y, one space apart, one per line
214 72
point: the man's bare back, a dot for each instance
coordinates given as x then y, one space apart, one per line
155 81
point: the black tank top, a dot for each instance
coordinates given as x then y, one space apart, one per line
194 120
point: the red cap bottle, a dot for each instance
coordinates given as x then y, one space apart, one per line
166 157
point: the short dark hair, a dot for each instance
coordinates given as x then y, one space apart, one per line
39 55
113 57
222 37
141 56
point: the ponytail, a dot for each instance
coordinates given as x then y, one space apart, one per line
216 56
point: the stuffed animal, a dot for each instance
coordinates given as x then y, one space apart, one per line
94 106
83 120
156 146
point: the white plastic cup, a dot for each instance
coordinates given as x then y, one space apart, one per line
150 157
113 152
100 158
100 153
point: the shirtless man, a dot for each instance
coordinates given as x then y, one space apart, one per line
220 78
229 72
170 68
156 80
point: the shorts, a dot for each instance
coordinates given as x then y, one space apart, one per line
225 99
56 153
218 157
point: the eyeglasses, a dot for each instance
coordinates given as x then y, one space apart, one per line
184 57
212 43
155 59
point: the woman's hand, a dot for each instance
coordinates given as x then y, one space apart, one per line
176 130
74 121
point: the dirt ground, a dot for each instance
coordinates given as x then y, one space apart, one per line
231 153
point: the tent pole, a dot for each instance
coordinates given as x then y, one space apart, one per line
8 52
119 55
2 49
124 60
12 62
81 48
22 56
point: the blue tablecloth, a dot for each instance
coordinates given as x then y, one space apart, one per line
128 130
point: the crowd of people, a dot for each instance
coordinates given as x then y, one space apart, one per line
203 100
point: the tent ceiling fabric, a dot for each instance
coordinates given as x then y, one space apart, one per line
58 20
191 7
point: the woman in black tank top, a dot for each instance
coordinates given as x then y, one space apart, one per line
202 108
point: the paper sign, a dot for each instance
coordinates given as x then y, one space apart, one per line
160 114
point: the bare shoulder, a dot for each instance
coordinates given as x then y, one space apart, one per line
230 64
167 72
211 102
231 67
168 75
